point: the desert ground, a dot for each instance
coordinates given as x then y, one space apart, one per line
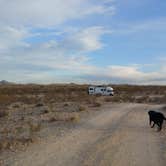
62 125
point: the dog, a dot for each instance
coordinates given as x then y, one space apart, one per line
157 118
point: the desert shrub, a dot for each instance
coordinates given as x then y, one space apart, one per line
45 111
121 98
39 104
142 99
66 104
74 118
52 119
14 136
96 104
139 90
13 143
34 127
82 108
4 144
16 105
3 113
107 99
117 98
6 99
67 117
32 94
127 98
155 100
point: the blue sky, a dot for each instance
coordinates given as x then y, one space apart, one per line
83 41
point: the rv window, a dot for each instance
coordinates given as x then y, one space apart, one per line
91 89
109 91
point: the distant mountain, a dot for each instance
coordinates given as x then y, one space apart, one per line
4 82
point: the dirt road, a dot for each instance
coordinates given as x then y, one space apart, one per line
118 135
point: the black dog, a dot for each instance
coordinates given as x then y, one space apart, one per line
157 118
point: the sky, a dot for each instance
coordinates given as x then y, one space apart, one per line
83 41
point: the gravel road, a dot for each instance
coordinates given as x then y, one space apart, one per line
118 135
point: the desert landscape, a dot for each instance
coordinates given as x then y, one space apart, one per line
62 124
82 83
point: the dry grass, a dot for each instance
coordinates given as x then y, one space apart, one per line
34 126
21 104
82 108
3 113
74 118
96 104
14 137
139 90
52 119
13 143
34 94
63 117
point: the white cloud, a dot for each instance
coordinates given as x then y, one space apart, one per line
131 73
56 66
61 55
128 74
66 60
76 41
11 37
158 24
100 10
47 13
88 39
21 58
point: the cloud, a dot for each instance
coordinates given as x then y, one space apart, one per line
101 10
88 39
133 74
67 60
13 43
48 65
47 13
11 37
125 74
64 55
56 53
74 41
26 51
158 24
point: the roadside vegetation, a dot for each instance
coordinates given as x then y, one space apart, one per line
140 94
27 111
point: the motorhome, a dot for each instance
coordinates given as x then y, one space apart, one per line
100 90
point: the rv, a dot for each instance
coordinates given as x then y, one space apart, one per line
100 90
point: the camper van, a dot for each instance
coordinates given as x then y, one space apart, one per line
100 90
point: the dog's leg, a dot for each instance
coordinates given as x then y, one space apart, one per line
150 121
153 125
160 125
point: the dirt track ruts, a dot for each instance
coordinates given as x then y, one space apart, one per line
118 135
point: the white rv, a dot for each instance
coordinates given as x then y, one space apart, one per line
100 90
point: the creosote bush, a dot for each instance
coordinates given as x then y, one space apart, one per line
74 118
82 108
3 113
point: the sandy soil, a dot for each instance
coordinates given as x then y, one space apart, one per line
118 135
